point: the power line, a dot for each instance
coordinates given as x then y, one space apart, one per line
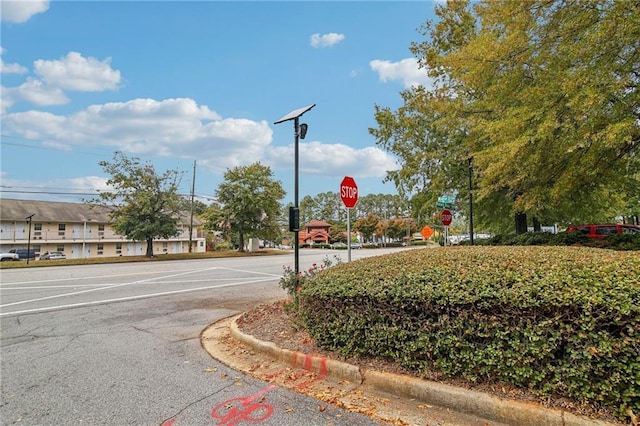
49 148
49 192
97 192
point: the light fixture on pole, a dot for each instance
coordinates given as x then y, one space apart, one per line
300 131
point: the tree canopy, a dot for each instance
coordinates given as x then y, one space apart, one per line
249 202
539 97
146 204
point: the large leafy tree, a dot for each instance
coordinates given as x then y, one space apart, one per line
249 200
540 97
367 226
145 204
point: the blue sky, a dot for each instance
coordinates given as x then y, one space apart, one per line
171 82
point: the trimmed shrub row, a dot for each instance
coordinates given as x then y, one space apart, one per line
556 320
615 242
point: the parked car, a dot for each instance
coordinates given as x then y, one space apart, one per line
8 256
339 245
23 254
52 255
602 230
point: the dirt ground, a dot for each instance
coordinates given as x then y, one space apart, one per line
271 322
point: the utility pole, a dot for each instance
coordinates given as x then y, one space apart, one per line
193 188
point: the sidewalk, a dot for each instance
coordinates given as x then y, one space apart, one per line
392 398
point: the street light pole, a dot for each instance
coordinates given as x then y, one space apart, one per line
29 239
296 204
299 132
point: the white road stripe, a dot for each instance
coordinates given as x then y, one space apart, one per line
123 299
106 287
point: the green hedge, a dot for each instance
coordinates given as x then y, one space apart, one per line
556 320
615 241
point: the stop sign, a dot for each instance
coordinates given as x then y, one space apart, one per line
446 217
349 192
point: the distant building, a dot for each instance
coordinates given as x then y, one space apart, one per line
316 232
81 231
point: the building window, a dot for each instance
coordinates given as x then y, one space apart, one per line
118 248
37 227
100 248
164 247
60 248
61 229
101 231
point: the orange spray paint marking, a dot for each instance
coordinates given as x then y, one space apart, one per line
244 410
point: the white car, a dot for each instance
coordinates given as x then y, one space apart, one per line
51 255
9 256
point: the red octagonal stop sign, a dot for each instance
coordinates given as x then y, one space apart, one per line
446 217
349 192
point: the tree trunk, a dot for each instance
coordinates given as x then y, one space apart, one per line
537 227
521 223
240 241
149 247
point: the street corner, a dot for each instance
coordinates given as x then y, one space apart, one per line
216 339
326 380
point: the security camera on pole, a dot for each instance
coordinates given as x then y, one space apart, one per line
299 132
349 195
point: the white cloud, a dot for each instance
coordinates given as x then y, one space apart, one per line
10 68
20 11
322 159
51 189
72 72
6 100
75 72
326 40
35 92
85 183
171 127
406 70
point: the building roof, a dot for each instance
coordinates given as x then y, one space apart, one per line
317 224
54 211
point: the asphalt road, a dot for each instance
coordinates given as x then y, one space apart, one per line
119 345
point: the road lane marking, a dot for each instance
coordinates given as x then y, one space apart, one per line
53 287
124 299
105 287
86 278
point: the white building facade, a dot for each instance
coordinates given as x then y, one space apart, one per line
82 231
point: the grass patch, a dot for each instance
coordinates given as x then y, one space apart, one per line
131 259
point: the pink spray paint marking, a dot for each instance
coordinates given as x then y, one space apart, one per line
229 413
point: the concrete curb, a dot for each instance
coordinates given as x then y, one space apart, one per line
460 400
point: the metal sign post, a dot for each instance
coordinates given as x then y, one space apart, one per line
349 196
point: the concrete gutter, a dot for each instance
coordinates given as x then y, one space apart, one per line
515 413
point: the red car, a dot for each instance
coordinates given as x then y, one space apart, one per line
602 230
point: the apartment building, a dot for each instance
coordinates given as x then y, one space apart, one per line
81 231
